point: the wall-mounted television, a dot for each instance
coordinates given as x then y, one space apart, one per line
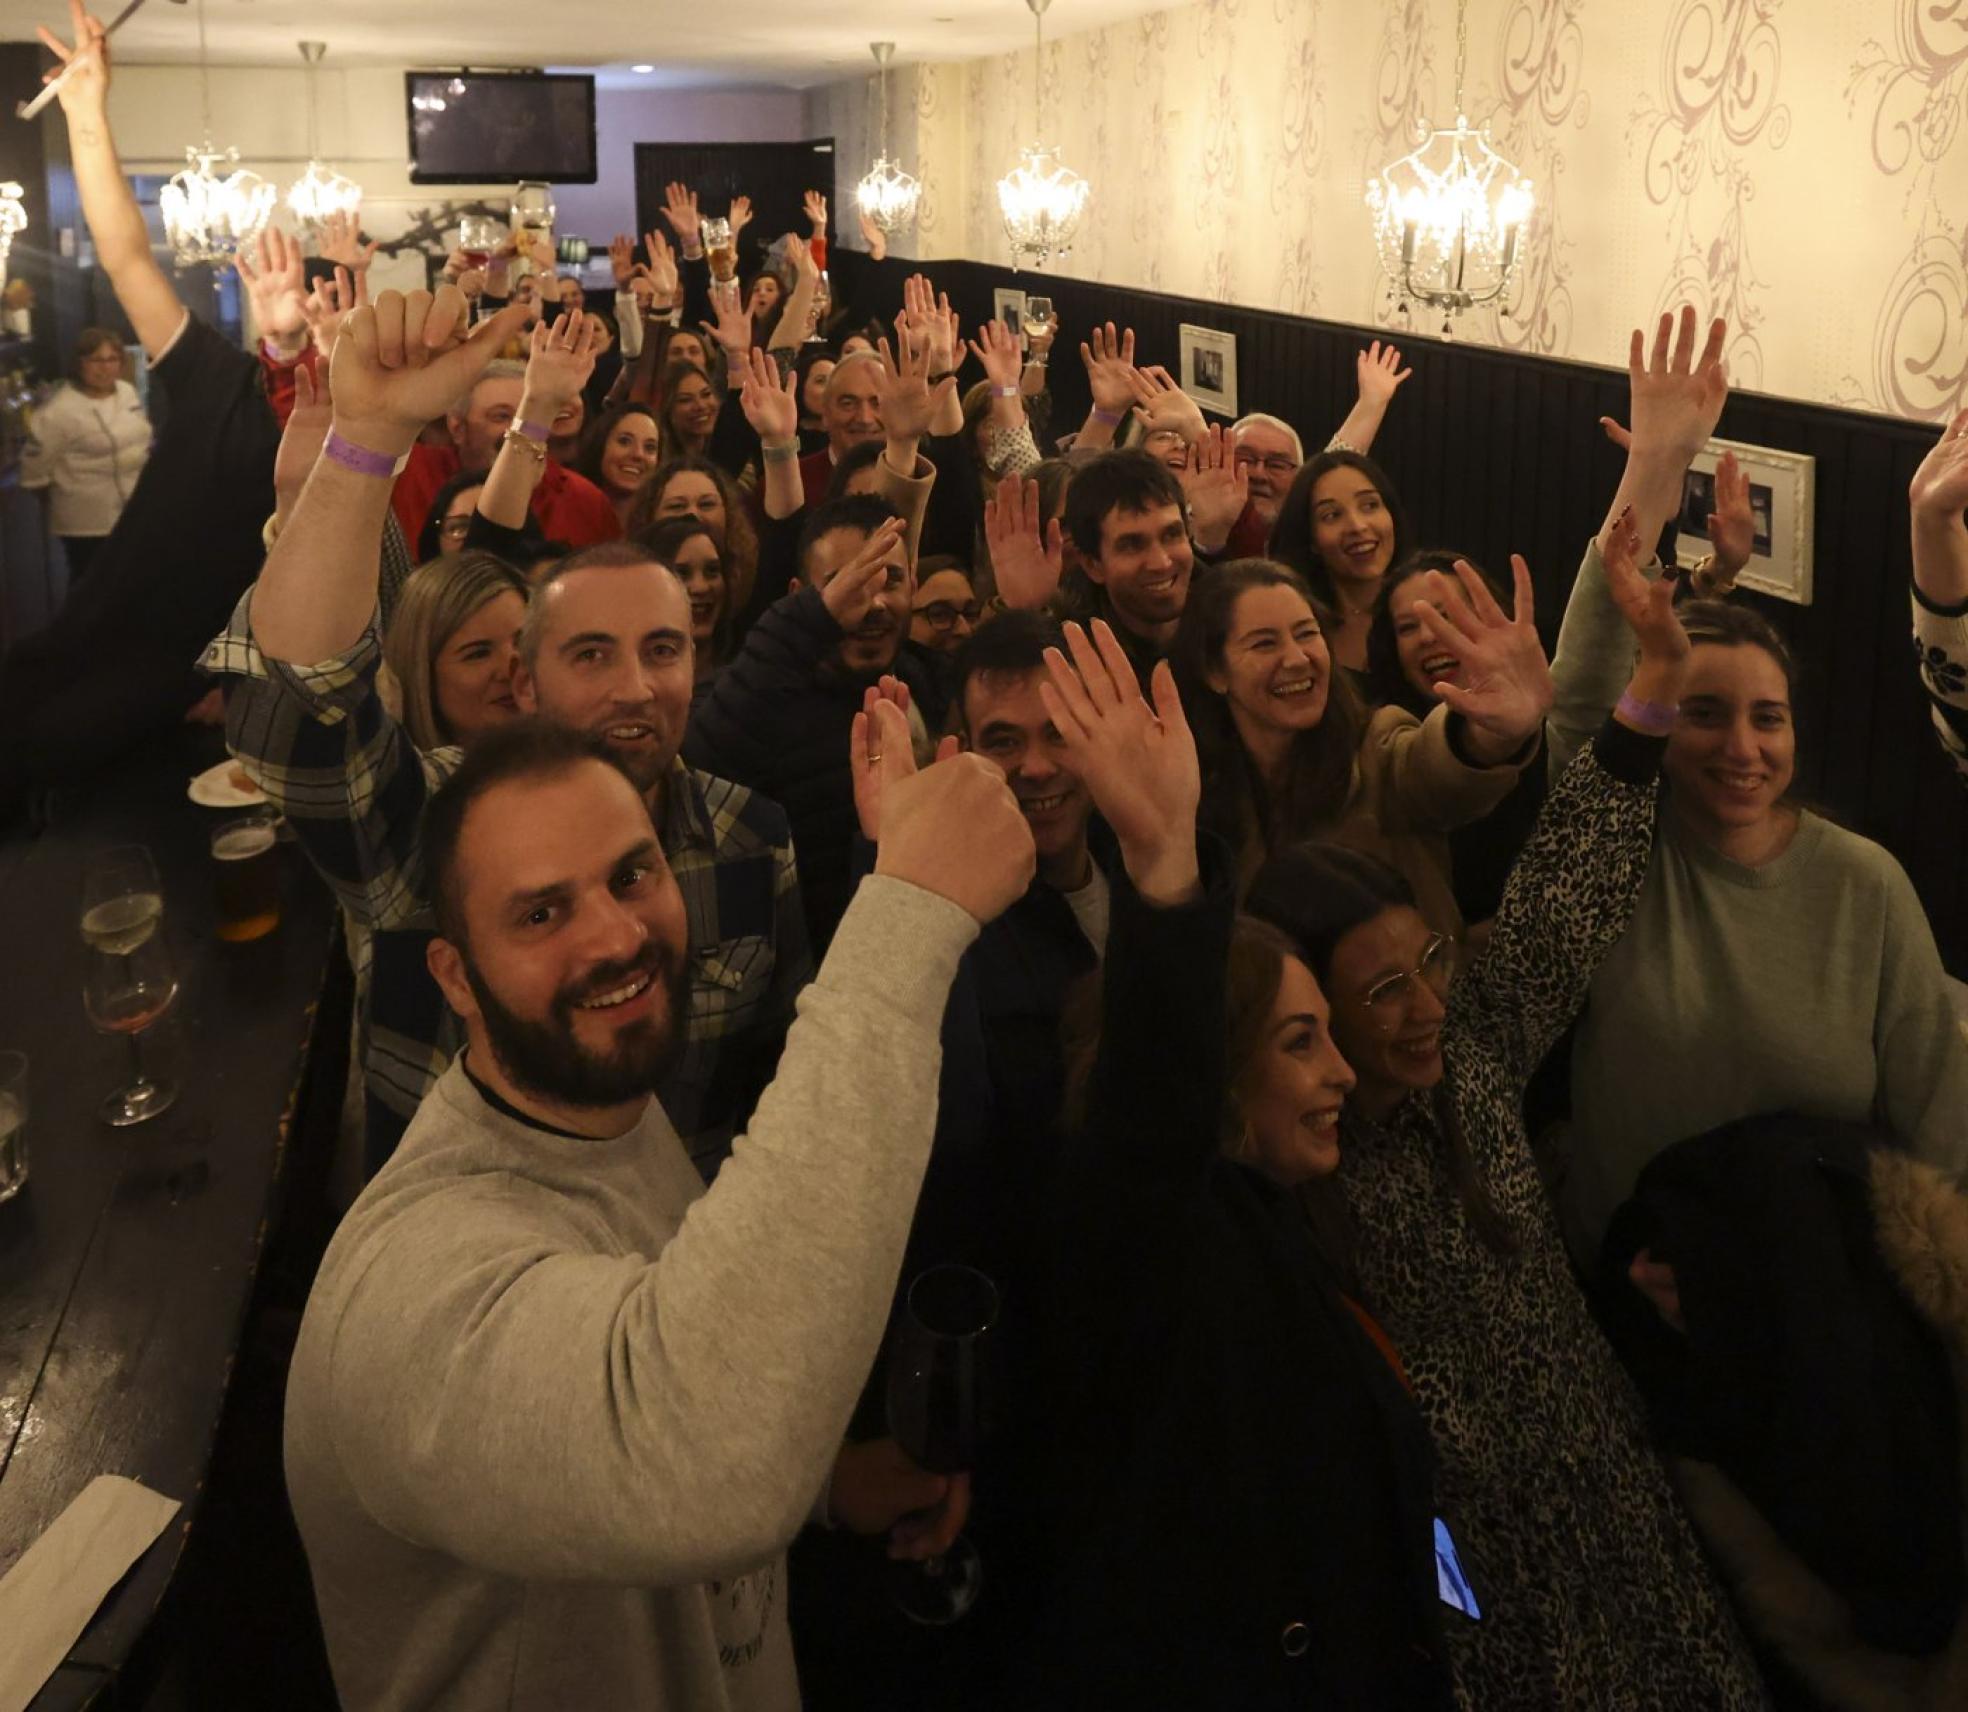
478 127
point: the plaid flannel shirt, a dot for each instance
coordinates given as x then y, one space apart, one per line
330 756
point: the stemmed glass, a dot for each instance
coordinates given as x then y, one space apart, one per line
936 1368
1038 317
131 979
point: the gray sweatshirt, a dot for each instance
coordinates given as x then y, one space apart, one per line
556 1410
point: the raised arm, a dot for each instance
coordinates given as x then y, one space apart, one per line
1379 374
695 1402
1939 497
1109 359
109 205
932 326
769 404
395 366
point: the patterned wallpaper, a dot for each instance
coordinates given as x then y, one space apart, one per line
1798 165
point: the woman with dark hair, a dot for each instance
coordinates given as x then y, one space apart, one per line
812 368
1593 1590
620 450
1290 754
693 486
1404 664
688 410
1237 1486
88 444
1340 527
693 551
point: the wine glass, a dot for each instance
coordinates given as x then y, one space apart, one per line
936 1360
131 979
823 304
478 236
1038 317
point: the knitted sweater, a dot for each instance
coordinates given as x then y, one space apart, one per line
556 1410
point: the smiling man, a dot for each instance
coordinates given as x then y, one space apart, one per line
1126 515
777 718
555 1410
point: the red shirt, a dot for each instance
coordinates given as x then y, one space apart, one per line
816 471
567 507
1249 535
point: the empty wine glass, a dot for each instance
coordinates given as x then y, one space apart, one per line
936 1363
131 979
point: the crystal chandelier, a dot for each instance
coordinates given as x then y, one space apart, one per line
1041 199
1450 217
887 195
13 218
208 216
321 190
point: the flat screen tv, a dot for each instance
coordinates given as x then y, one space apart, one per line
476 127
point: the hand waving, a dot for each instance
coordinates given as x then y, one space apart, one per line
1732 524
1215 487
1379 373
1502 686
996 347
621 259
769 404
1139 762
680 209
274 280
874 237
733 327
330 303
741 215
341 242
908 403
816 212
1940 486
1109 360
1648 608
559 361
1161 404
300 441
662 268
1028 566
1677 401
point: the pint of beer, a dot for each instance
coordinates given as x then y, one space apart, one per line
247 868
721 247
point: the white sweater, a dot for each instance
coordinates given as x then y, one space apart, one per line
556 1410
88 452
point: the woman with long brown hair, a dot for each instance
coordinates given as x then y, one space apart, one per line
694 486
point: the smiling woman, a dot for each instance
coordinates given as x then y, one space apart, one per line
449 648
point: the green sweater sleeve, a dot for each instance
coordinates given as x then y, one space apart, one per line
1595 657
1920 1045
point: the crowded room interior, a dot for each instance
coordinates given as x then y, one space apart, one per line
1033 856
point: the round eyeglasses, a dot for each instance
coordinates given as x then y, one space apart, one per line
1389 999
943 614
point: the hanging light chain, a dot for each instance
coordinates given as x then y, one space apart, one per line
1462 49
204 72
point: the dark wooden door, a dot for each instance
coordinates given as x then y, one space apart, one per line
776 176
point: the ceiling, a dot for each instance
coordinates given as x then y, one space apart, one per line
736 44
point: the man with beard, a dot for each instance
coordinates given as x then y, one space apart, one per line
778 717
1127 516
606 650
555 1410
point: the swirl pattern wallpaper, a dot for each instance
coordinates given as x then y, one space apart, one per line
1800 166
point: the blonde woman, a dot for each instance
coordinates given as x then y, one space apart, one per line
449 649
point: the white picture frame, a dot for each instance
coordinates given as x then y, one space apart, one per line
1208 363
1008 306
1783 491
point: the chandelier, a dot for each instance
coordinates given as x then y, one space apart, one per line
887 195
1449 218
1041 199
320 191
13 218
209 215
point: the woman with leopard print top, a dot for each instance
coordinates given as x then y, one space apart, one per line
1593 1590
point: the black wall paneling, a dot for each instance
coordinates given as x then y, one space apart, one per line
1496 452
776 176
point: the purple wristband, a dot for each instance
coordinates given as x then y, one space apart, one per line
1107 418
536 431
357 458
1656 718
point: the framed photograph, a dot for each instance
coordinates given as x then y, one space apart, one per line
1782 489
1008 306
1209 368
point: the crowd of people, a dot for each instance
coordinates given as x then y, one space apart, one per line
800 820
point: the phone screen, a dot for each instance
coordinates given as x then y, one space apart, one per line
1450 1581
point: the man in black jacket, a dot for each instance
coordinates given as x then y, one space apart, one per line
779 716
1128 518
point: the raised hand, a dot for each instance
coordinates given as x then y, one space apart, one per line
300 441
621 259
87 88
849 595
1502 685
1028 565
1732 524
1139 762
560 359
996 347
341 241
680 209
330 303
1648 608
770 404
1216 489
733 327
1109 363
1162 404
816 212
741 215
1379 373
1677 400
1939 489
662 268
907 401
874 733
275 281
874 237
931 318
953 829
407 359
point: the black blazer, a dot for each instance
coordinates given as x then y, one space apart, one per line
1240 1487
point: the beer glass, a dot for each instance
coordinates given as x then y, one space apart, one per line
246 874
13 1124
721 248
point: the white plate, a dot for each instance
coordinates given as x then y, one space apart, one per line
214 789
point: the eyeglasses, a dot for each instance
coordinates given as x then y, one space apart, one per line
1388 1001
943 614
1161 437
1278 464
